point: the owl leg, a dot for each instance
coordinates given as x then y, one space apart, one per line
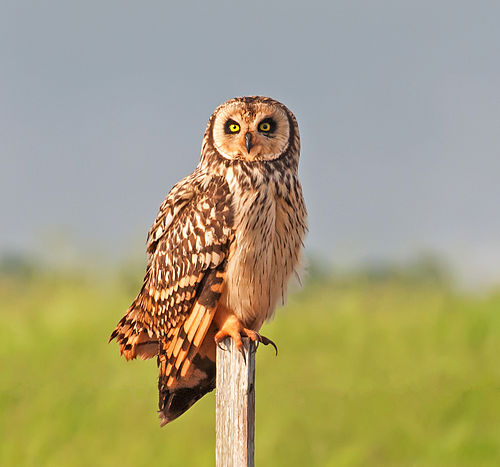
230 325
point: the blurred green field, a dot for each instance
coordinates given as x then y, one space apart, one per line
369 373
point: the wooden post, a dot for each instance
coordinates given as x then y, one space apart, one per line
235 405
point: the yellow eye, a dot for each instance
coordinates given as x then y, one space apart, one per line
265 126
231 127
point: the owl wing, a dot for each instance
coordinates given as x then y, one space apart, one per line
188 244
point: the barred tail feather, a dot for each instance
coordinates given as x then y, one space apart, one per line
192 384
187 358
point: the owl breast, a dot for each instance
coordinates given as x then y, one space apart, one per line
269 226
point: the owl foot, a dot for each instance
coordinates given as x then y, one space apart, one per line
234 329
229 325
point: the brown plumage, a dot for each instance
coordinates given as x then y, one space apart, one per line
224 244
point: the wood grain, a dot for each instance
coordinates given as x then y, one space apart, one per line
235 405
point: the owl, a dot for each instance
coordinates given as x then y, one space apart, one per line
224 244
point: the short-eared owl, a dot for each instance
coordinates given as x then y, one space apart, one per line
221 250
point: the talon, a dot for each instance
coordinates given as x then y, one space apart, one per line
218 345
267 341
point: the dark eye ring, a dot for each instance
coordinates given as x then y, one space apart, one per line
268 125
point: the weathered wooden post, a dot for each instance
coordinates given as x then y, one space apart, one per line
235 405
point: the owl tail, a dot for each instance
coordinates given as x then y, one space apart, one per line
187 355
180 388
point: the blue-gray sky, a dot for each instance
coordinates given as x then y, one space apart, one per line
103 105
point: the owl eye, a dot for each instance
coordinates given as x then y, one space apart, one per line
231 127
267 126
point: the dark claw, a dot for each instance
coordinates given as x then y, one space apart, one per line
222 348
267 341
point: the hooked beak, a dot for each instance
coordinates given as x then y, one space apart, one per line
248 142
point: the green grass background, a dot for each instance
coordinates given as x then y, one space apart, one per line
370 372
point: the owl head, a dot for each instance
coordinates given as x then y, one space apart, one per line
251 129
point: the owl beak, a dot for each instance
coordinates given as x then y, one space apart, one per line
248 142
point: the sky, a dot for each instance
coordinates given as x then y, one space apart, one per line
103 106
